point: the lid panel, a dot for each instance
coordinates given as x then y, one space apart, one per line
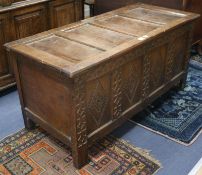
96 36
127 25
160 17
77 47
65 49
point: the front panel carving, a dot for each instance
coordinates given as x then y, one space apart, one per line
169 61
179 45
98 98
189 37
178 52
157 67
30 23
133 77
132 82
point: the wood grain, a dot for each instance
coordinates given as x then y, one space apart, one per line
81 81
102 6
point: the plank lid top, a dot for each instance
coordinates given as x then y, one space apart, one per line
76 47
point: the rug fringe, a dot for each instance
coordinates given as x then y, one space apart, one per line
146 153
143 152
6 137
166 136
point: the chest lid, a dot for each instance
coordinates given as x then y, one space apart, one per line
79 46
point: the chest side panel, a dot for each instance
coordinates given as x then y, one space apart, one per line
47 95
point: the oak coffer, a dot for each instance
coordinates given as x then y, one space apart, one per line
81 81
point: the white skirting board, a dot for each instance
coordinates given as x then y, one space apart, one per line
197 170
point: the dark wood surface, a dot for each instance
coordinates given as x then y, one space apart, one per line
25 18
6 2
81 81
102 6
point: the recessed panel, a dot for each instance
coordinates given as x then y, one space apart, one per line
127 25
66 49
160 17
46 96
97 36
98 93
180 45
157 67
132 82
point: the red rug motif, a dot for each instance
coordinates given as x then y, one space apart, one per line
36 153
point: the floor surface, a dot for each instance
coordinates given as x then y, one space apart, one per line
176 159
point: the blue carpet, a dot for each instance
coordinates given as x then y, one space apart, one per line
178 114
11 119
176 159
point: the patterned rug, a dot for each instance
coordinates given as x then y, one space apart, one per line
178 114
195 56
36 153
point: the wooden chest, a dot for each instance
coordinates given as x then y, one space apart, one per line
81 81
25 18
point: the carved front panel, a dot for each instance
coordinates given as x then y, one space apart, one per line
180 46
169 61
30 23
98 94
131 78
3 60
157 67
132 82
